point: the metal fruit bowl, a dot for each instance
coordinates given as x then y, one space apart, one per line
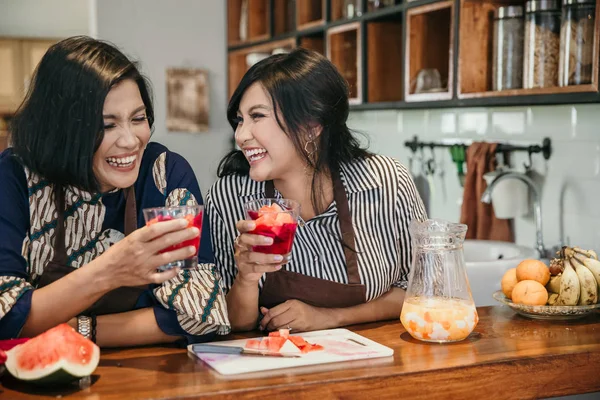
547 312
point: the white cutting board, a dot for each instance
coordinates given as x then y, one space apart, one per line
338 345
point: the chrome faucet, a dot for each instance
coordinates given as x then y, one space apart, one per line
537 203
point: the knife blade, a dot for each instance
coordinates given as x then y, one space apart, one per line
217 349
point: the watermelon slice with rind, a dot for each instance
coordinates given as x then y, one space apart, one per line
59 355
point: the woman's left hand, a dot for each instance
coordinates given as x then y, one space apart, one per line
297 316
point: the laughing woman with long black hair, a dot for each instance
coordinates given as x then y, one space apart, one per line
73 245
352 249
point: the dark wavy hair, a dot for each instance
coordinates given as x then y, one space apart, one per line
59 126
306 89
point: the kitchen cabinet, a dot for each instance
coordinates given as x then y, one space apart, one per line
18 60
11 78
409 54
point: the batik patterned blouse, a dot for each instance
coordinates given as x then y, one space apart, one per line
192 304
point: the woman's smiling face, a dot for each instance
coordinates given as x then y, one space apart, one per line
126 133
267 147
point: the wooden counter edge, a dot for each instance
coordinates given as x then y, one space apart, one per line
539 377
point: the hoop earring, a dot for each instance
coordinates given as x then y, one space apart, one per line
310 153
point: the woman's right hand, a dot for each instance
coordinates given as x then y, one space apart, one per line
133 261
252 265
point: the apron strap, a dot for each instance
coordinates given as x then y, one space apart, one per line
269 190
348 236
60 250
130 211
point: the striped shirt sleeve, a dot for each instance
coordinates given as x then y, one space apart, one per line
409 206
222 240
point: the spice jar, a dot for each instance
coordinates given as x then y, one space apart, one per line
542 43
507 64
577 42
352 8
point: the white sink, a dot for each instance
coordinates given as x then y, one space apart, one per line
487 261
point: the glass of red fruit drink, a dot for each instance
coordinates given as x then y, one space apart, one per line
193 214
277 219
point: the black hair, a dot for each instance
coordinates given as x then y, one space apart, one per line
59 126
306 90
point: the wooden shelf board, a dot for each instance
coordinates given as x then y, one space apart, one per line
249 43
268 46
311 24
429 7
258 38
384 12
429 96
418 3
531 92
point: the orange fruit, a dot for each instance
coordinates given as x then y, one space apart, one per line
534 270
530 292
509 280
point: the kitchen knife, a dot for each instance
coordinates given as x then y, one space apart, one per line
216 349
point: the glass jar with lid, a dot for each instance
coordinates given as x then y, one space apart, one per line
542 43
507 64
377 4
352 8
577 42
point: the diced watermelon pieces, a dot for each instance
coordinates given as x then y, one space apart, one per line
298 341
275 344
307 348
276 340
253 344
284 218
284 333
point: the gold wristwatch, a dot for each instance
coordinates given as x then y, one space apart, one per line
84 326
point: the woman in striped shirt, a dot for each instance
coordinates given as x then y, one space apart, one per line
352 250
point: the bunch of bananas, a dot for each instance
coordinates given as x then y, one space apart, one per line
574 278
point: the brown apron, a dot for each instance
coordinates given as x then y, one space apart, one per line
285 285
119 300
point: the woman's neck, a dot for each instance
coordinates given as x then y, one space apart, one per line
298 187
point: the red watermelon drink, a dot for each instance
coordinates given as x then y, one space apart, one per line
193 214
277 219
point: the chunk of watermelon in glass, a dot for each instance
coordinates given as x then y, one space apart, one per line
192 221
278 225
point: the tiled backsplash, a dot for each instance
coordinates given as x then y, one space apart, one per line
569 180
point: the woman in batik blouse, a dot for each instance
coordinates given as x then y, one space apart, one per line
73 245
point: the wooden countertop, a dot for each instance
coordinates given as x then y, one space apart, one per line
507 356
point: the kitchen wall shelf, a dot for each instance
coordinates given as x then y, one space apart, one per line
309 13
344 49
429 47
381 52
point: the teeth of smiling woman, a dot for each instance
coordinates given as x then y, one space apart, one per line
255 154
121 162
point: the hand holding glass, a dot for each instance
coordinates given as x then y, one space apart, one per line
277 219
194 216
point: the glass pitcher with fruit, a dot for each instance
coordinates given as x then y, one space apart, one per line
438 306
